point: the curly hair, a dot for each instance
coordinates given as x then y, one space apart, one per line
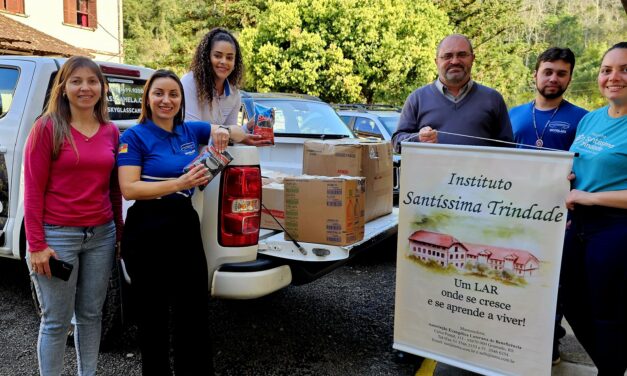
201 67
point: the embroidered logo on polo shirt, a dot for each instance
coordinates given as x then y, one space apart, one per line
123 148
188 148
558 127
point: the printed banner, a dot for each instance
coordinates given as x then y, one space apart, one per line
479 250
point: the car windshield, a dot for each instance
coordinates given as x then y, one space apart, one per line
305 117
390 122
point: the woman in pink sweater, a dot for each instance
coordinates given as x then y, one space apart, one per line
72 211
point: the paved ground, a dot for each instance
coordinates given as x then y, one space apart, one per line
337 326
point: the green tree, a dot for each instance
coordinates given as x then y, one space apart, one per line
588 27
344 50
490 25
166 34
379 50
148 31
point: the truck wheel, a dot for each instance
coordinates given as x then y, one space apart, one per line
111 312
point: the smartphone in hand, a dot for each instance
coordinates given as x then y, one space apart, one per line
60 269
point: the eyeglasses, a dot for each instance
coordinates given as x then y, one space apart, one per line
459 55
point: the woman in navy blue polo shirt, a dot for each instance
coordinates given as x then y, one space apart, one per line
151 159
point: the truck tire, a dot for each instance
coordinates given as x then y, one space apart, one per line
111 312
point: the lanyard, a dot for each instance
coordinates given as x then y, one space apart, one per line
539 142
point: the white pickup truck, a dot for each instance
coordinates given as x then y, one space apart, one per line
244 262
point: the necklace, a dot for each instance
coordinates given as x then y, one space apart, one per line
539 142
86 132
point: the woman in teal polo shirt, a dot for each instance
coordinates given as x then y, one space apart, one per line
594 268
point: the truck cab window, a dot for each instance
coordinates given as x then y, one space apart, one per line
124 98
8 82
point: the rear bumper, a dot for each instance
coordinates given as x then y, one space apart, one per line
249 280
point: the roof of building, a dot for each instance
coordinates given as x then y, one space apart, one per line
22 39
494 253
519 256
434 238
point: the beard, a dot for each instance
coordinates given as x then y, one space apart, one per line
457 77
554 95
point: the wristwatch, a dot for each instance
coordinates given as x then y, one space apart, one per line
227 128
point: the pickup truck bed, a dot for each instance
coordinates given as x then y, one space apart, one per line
280 262
273 243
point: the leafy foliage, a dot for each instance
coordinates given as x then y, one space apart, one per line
344 50
379 50
166 33
588 27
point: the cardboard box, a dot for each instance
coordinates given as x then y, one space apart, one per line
271 176
273 202
370 159
327 210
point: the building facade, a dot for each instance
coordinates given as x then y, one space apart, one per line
94 26
446 250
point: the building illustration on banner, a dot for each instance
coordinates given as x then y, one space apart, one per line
447 252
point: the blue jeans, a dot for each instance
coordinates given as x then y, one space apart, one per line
91 251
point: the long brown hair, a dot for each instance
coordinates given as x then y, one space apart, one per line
201 67
58 110
146 113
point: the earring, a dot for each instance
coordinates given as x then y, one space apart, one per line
64 94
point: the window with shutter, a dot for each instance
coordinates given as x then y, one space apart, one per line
14 6
80 12
91 10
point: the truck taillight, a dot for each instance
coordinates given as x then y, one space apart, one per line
240 209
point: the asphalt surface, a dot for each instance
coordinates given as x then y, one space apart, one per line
341 324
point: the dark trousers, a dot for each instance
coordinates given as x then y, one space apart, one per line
594 276
163 252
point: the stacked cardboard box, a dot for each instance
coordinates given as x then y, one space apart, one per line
273 206
327 210
370 159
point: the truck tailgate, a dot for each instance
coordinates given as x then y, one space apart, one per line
273 243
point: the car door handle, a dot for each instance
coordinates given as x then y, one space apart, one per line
3 149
